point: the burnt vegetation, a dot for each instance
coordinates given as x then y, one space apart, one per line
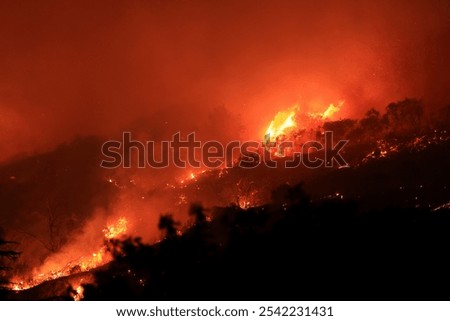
7 256
290 249
377 230
383 236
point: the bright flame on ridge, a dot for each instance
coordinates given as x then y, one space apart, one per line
283 120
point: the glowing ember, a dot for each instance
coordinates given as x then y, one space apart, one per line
117 229
244 204
79 293
190 177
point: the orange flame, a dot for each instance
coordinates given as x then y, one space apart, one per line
115 230
79 293
331 110
328 113
83 264
283 121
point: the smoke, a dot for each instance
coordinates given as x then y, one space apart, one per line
222 69
78 68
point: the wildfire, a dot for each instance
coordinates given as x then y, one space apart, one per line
79 295
115 230
83 264
328 113
331 110
283 121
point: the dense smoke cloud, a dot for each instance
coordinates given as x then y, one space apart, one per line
77 68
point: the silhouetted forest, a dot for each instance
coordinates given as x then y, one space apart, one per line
6 256
289 249
377 229
381 237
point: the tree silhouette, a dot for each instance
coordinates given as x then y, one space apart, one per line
371 123
6 255
340 127
404 117
442 120
290 195
168 224
197 210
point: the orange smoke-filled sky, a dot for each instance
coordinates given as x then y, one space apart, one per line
72 68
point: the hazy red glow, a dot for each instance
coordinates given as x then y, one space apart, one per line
84 68
73 258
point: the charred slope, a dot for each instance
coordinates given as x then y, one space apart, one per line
290 251
47 198
407 178
378 242
67 178
372 243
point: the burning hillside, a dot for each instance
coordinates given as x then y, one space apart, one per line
294 120
160 149
73 256
57 267
372 140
